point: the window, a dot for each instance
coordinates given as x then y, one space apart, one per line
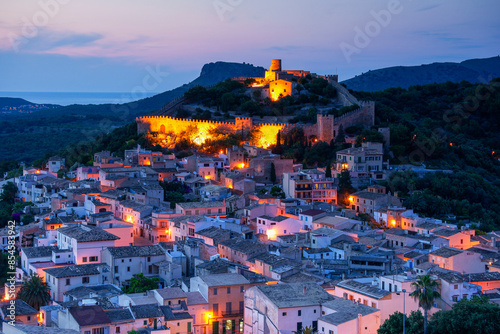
242 307
117 330
116 269
67 281
93 259
85 280
228 308
29 318
189 327
215 309
128 268
215 291
149 258
123 260
242 288
299 313
228 290
84 259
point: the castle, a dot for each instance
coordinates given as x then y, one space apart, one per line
279 83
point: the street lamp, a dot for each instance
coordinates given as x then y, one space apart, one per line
404 308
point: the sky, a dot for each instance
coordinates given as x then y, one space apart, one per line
156 45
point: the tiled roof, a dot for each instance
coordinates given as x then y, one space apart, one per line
224 279
295 294
446 252
41 251
87 233
89 315
195 205
242 245
312 212
21 308
146 311
77 270
369 195
345 310
362 288
135 251
120 315
171 293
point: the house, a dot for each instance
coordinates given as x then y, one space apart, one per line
284 308
62 279
31 255
18 311
266 263
368 201
261 167
225 296
127 261
85 242
55 164
213 235
77 318
278 225
211 209
214 193
344 316
240 250
310 186
457 260
460 239
135 213
454 287
376 296
366 160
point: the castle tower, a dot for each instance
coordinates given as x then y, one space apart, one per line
243 125
325 124
275 65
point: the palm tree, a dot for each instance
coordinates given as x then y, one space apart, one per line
425 292
35 292
305 330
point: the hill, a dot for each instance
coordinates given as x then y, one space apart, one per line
472 70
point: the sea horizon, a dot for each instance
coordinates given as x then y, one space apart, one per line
69 98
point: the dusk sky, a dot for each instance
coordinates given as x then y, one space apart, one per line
111 45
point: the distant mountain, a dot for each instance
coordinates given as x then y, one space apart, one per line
472 70
10 102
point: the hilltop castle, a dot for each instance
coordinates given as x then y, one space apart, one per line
276 84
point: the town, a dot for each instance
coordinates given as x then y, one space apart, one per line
240 240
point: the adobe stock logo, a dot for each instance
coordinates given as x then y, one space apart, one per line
372 29
41 18
225 6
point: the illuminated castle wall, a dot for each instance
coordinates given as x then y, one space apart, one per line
325 129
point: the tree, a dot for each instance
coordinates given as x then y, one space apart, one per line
340 139
414 324
328 172
277 148
140 283
425 293
174 197
9 191
277 192
306 330
345 187
273 173
467 316
35 292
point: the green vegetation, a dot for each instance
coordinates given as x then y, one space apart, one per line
425 293
35 292
140 283
414 324
477 316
